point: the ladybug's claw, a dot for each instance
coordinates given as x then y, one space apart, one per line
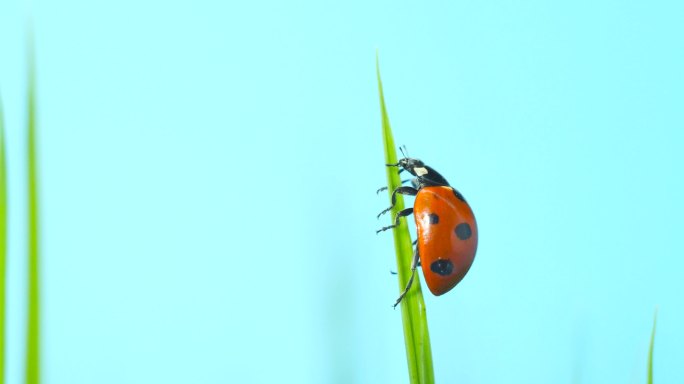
385 211
385 228
414 265
408 286
401 190
400 214
385 188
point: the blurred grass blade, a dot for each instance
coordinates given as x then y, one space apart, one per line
416 336
650 349
3 243
33 326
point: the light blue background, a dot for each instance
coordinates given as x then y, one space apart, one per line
208 173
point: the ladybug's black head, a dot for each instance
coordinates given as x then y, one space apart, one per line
410 164
426 175
413 166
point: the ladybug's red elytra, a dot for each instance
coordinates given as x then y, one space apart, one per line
447 231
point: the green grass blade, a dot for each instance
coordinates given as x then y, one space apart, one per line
33 326
416 336
650 349
3 243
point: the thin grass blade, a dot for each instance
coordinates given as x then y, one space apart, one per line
33 318
416 335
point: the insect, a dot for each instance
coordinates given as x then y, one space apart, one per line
447 231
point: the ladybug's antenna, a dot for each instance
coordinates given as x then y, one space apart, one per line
404 151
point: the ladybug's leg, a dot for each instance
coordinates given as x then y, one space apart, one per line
396 165
414 265
401 190
414 244
385 188
400 214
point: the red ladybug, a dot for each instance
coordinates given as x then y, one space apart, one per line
447 231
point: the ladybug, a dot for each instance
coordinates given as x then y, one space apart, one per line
447 231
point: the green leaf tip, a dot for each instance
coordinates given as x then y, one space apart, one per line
33 317
650 348
414 317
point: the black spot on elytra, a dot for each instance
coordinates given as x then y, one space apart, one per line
458 195
434 219
442 267
463 231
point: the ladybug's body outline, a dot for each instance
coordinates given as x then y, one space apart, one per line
447 241
445 224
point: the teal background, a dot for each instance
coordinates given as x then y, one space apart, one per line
208 176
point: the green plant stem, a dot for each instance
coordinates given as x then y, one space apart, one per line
33 326
416 335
